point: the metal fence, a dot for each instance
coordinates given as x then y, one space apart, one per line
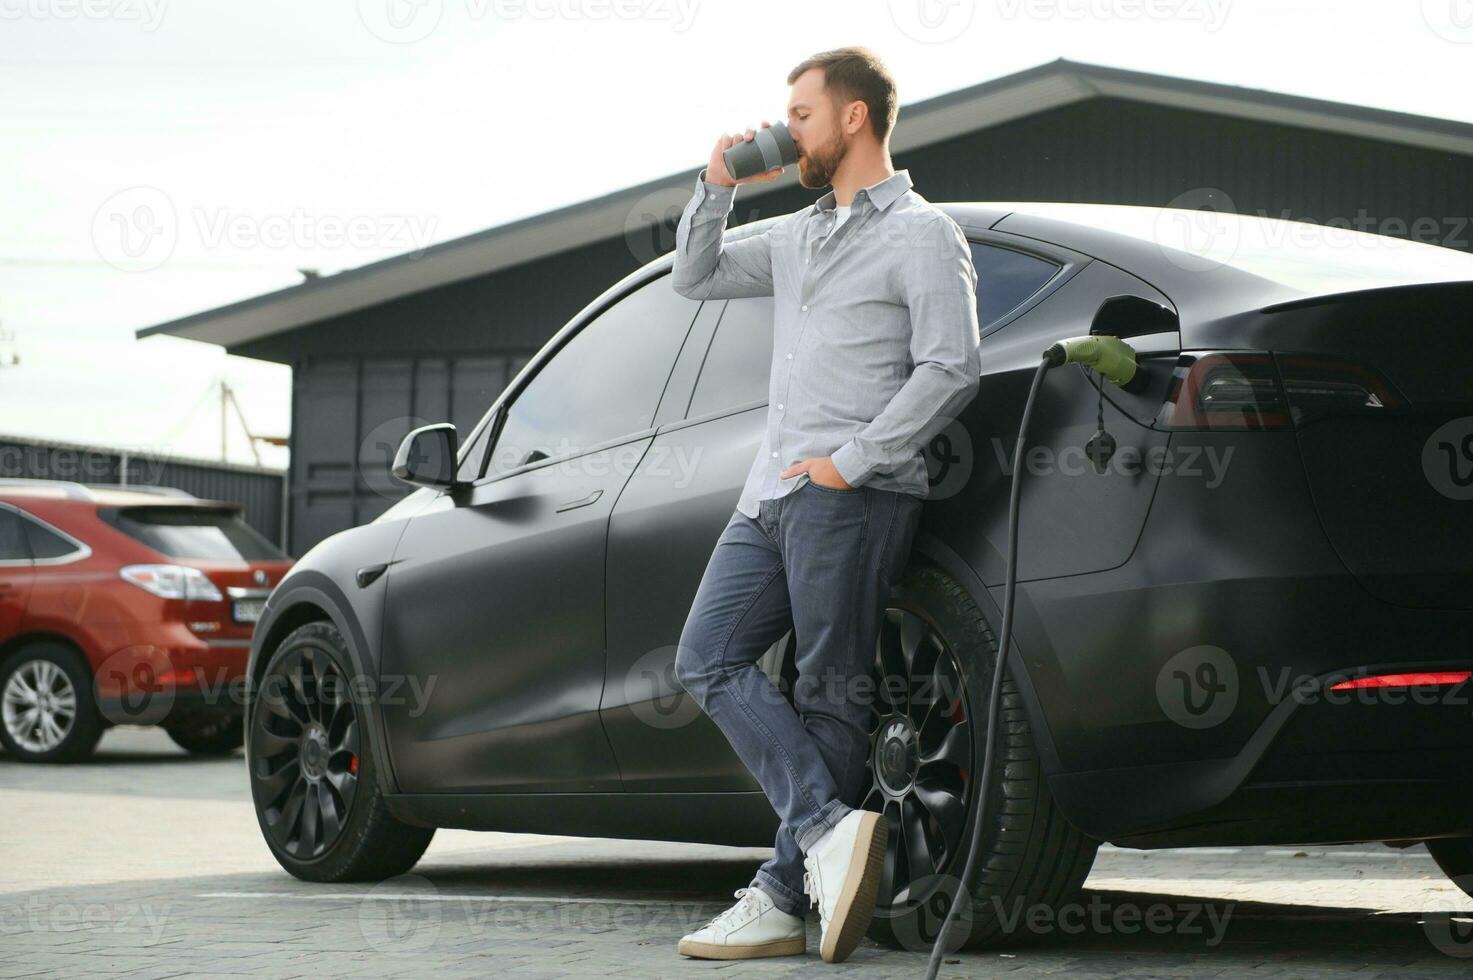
262 492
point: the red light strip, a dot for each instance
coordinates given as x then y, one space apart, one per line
1405 680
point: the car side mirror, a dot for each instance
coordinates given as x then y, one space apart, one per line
426 457
1132 316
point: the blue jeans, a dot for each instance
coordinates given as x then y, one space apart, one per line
818 561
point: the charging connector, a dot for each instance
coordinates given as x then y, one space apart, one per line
1112 357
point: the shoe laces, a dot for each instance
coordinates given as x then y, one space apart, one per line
809 881
748 900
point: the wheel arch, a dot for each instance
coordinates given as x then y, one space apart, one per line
22 640
933 550
313 597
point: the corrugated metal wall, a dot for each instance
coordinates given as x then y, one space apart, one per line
260 491
349 416
1112 151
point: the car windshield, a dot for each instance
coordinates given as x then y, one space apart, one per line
197 533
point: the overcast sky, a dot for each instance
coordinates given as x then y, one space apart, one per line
263 137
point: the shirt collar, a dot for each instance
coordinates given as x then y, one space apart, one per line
881 195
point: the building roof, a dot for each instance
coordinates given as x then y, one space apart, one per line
1045 87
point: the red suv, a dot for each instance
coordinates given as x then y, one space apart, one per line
125 606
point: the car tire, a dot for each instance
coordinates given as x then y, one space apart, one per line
1032 856
313 779
64 671
1454 855
215 733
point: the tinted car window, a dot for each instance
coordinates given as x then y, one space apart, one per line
44 543
12 544
1006 278
738 364
195 533
604 382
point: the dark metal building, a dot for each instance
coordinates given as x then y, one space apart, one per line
435 336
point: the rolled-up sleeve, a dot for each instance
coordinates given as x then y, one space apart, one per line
705 267
940 288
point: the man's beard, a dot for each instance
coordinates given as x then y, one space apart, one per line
817 168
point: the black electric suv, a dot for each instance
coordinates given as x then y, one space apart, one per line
1246 624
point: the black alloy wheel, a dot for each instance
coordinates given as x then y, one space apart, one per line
305 754
934 661
921 754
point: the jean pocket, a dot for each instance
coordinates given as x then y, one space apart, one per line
814 483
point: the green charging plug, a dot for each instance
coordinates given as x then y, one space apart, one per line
1112 357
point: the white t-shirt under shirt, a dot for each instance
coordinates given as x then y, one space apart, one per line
840 215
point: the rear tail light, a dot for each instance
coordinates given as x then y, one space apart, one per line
1260 390
1225 390
1438 678
1318 387
172 582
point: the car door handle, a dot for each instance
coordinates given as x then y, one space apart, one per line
581 501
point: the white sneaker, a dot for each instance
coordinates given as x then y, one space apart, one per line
842 879
752 927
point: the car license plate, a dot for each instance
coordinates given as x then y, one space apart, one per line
248 610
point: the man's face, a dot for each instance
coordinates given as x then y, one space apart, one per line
813 119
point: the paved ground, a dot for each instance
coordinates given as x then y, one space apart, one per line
147 863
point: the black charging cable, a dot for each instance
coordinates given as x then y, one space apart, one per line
964 892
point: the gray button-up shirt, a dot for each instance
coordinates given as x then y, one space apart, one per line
875 344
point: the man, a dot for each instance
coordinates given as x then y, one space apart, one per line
875 350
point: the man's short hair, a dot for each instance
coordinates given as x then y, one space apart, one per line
856 74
